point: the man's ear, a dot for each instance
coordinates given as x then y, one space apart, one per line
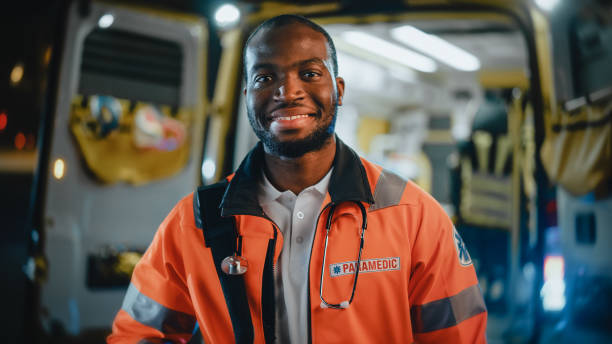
244 91
340 89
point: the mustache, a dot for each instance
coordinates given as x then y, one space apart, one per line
286 105
293 104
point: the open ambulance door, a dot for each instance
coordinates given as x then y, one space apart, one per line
576 155
126 145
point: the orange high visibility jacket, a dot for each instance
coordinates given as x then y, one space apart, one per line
416 280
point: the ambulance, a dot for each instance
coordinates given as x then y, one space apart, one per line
502 110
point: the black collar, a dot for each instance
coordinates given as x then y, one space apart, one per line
348 182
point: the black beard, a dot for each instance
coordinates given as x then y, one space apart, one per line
296 148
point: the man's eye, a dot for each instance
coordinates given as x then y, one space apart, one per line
310 74
262 78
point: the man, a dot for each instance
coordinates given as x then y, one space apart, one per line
359 255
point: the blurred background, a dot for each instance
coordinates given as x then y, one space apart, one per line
111 111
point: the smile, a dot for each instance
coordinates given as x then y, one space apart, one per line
289 118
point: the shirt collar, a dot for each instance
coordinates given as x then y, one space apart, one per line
346 181
268 191
271 193
323 184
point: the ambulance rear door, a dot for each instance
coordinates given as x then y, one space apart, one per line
126 146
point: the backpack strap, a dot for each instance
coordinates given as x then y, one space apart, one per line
221 237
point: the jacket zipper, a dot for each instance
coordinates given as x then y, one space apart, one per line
268 295
268 309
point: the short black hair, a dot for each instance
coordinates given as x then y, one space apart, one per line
286 19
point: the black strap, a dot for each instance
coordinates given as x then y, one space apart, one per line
220 235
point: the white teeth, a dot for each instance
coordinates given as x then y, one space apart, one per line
291 118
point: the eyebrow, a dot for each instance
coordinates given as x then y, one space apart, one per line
267 65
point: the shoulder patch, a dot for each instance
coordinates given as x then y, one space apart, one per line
462 253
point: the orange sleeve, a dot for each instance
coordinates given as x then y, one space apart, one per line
446 301
157 303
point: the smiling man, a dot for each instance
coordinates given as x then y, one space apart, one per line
306 241
292 95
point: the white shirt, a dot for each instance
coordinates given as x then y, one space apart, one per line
296 218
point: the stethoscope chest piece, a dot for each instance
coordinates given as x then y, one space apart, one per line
234 265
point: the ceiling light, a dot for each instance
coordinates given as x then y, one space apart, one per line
106 21
227 15
547 5
436 47
390 51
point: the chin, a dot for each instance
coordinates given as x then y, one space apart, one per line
295 148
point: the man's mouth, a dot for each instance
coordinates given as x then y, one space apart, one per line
289 118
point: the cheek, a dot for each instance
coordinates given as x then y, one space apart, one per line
251 102
326 97
257 99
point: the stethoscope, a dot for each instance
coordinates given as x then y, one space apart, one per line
364 225
237 264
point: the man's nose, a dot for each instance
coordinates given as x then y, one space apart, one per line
289 89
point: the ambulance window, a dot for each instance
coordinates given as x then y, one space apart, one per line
132 66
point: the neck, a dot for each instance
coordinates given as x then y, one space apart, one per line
296 174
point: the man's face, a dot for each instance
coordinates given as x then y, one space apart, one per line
291 93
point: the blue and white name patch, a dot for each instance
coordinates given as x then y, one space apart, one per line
370 265
462 252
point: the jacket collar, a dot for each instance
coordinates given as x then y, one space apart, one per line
348 182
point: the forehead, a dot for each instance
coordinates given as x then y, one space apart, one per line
287 43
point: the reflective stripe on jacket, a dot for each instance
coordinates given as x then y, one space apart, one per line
416 281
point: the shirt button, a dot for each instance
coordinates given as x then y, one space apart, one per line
299 240
300 215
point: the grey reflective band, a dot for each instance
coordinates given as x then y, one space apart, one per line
447 312
148 312
389 190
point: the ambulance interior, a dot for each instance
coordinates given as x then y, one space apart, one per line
419 94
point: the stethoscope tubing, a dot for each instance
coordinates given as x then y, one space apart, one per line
364 225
